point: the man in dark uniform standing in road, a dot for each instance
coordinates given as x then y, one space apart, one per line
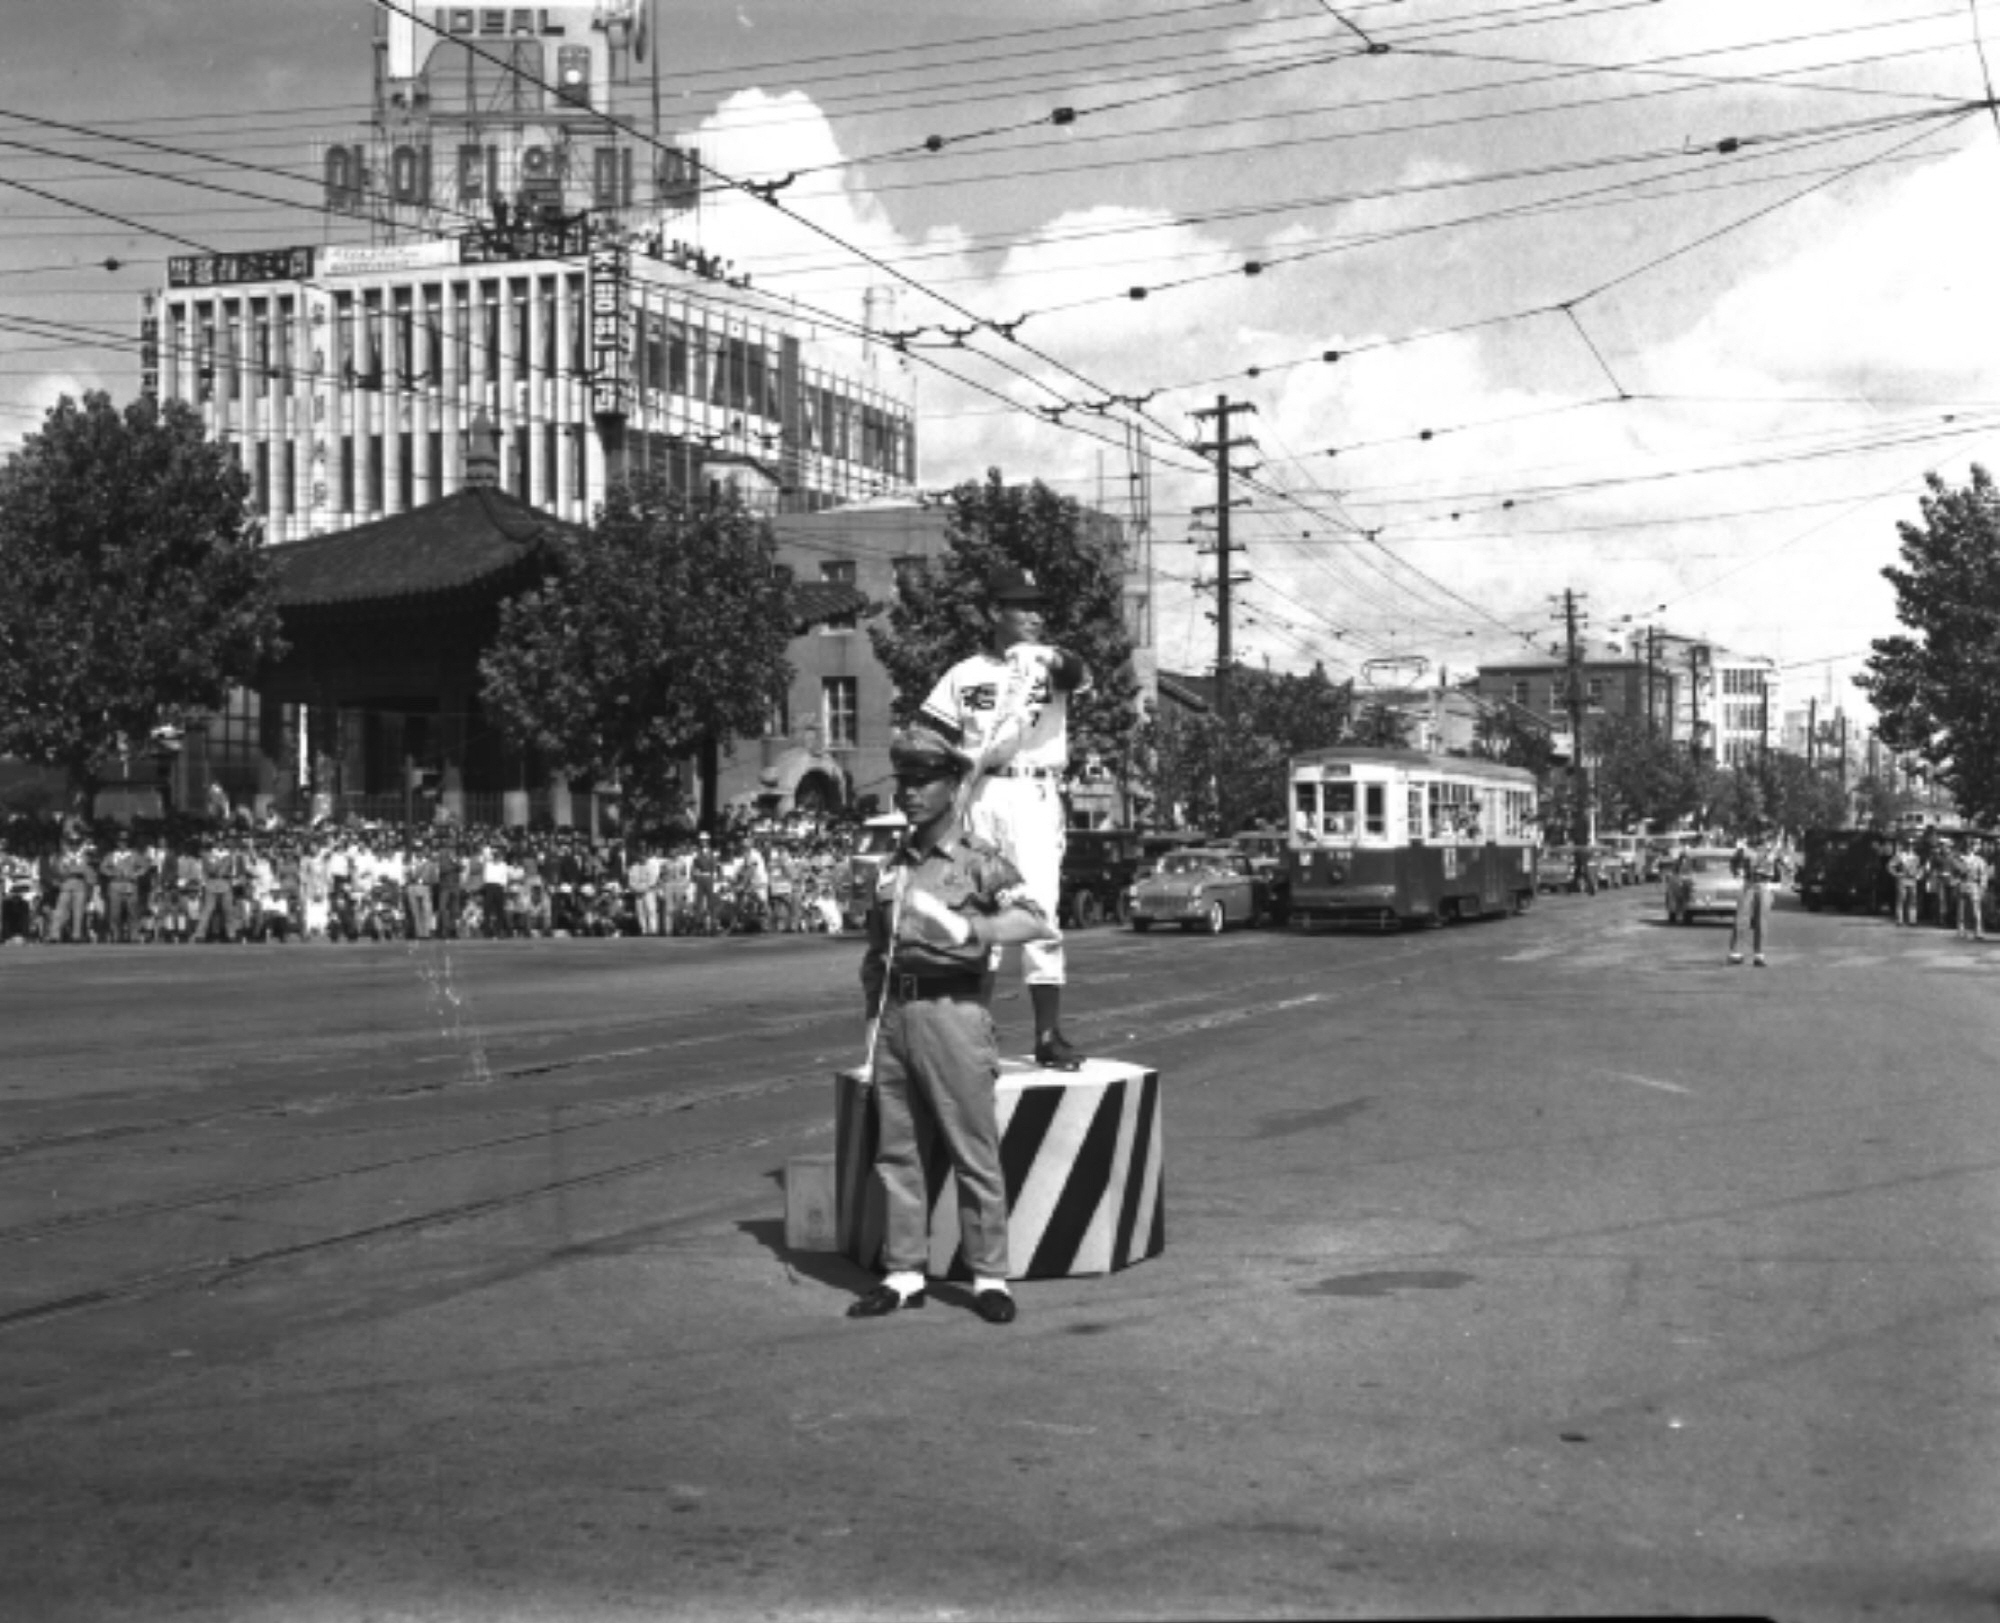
942 903
122 872
704 872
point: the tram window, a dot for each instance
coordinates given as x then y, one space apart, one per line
1437 827
1416 823
1305 810
1338 818
1377 803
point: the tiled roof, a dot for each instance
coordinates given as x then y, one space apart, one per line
478 535
815 602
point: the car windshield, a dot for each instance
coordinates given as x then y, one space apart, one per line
1193 862
1711 864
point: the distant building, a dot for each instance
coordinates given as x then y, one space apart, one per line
526 263
1723 704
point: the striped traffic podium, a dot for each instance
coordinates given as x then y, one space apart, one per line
1082 1155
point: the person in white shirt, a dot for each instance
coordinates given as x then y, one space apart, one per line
643 877
1007 710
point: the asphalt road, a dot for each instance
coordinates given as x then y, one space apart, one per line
1547 1265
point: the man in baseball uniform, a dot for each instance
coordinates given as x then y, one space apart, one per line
1007 710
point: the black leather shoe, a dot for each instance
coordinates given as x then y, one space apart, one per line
1055 1054
884 1299
995 1307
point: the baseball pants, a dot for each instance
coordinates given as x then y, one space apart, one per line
1024 818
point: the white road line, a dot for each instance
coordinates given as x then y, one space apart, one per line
1648 1082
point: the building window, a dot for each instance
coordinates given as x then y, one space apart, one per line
1521 694
839 572
839 702
1594 689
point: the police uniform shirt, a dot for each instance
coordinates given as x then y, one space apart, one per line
964 874
977 694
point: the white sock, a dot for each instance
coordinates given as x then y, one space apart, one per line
981 1283
905 1282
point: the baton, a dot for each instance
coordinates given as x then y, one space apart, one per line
882 1001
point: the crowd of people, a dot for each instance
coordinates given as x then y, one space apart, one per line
221 880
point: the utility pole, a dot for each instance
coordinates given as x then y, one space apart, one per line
1697 653
1843 752
1812 733
1652 698
1764 724
1219 449
1573 694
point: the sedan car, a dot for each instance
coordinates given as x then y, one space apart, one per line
1700 881
1207 888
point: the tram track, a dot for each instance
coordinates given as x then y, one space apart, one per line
598 1115
325 1103
212 1268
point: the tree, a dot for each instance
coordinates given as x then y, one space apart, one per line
939 616
1505 735
137 588
1799 797
1732 800
1641 777
659 633
1879 803
1933 685
1224 773
1382 726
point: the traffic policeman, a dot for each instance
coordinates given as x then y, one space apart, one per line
943 901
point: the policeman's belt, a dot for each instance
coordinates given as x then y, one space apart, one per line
921 988
1024 772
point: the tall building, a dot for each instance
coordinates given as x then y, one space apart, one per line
531 257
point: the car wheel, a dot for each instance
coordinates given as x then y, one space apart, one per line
1218 918
1141 926
1089 912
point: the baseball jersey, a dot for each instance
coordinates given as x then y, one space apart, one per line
993 696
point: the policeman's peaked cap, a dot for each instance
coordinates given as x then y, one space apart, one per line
918 752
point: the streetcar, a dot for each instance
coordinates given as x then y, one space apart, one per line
1390 837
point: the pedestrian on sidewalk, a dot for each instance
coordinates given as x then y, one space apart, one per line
1973 873
942 902
1907 868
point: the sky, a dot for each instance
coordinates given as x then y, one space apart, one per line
1672 304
